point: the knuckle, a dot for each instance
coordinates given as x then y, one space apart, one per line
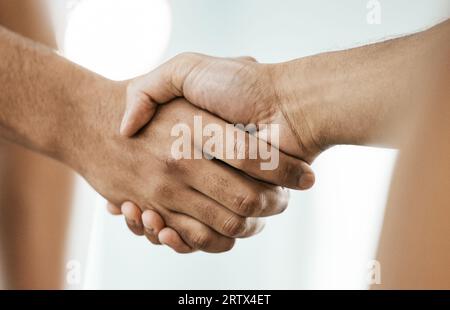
239 149
246 73
279 200
200 240
248 205
164 191
186 56
172 165
283 204
234 226
283 195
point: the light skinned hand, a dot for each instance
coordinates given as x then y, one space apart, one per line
359 96
239 90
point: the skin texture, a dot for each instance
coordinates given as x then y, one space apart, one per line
68 113
244 92
238 89
151 157
310 98
314 120
372 95
414 249
35 191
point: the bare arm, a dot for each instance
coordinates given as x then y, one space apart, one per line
372 95
35 196
39 92
57 108
30 18
414 249
367 95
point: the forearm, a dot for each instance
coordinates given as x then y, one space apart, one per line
37 192
365 95
29 18
46 101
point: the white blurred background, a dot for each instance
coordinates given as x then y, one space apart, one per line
328 235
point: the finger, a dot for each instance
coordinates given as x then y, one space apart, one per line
171 238
235 191
157 87
152 221
197 235
140 109
132 215
134 227
113 209
254 156
153 224
152 237
215 216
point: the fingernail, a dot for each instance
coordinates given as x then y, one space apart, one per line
149 230
306 181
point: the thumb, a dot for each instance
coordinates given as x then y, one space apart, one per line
139 110
157 87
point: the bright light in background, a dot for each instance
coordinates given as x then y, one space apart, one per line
350 194
119 39
328 234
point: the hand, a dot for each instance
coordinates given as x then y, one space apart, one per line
222 201
150 224
237 90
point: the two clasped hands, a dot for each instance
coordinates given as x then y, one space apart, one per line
362 96
203 204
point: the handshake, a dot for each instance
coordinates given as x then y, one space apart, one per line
213 143
208 145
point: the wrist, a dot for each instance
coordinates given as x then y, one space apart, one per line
368 95
327 100
92 118
299 106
